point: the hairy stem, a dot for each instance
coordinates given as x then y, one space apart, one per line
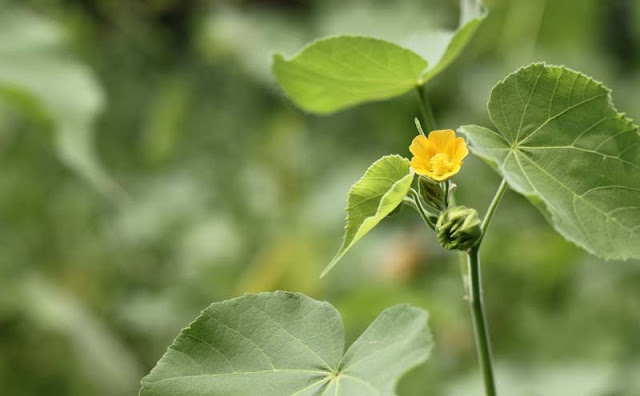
480 328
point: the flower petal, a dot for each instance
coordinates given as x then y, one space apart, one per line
459 150
419 165
447 175
422 147
441 139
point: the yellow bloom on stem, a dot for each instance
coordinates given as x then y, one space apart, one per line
438 156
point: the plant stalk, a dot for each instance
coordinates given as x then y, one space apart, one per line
471 278
476 303
480 328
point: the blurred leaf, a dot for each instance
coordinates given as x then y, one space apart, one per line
250 37
101 356
440 48
339 72
35 64
372 198
561 143
284 343
166 119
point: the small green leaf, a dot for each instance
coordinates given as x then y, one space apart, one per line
372 198
339 72
273 344
561 143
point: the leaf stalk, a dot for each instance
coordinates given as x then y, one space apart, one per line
493 205
425 109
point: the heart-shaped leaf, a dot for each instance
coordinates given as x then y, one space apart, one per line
338 72
372 198
274 344
561 143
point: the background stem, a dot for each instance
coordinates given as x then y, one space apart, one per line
425 109
479 321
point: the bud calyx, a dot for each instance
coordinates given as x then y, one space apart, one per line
458 228
432 193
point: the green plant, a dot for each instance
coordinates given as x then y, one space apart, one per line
558 141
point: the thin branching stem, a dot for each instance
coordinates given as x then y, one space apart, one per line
494 204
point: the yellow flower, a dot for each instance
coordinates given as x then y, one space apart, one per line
438 156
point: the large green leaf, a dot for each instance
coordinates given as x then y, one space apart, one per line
561 143
35 65
372 198
338 72
288 344
442 47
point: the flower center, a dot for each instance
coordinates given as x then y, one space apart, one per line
440 164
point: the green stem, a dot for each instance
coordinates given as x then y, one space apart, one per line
425 109
474 290
494 204
472 278
479 321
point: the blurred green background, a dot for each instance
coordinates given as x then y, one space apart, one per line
149 166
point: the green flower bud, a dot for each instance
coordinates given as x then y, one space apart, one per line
458 228
431 193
